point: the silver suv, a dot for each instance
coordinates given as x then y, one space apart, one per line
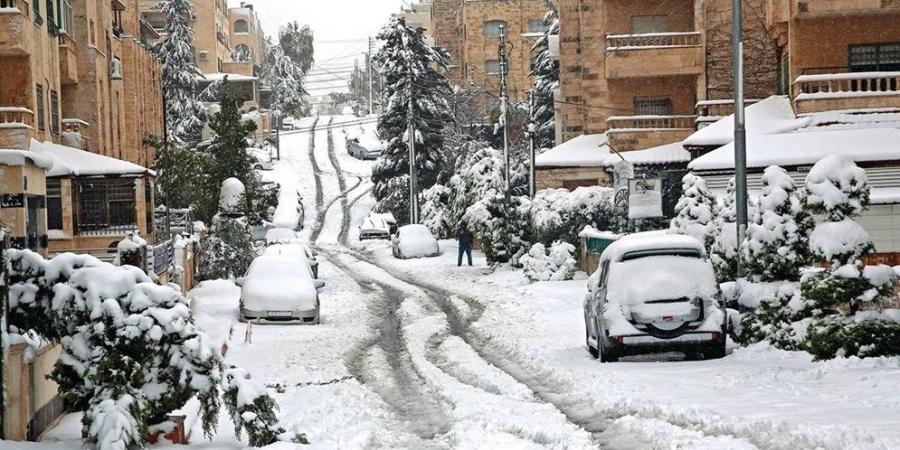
654 292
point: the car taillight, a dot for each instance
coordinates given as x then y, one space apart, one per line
620 339
715 336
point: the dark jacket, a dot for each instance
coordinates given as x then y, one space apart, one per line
465 238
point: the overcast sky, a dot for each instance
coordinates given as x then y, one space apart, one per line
341 28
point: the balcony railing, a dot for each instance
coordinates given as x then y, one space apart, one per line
10 116
815 92
631 123
840 7
619 42
159 257
109 230
709 111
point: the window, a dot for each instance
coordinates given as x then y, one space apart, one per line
874 58
652 106
492 67
65 17
649 24
492 28
52 20
41 109
105 204
241 26
54 113
784 72
536 26
54 204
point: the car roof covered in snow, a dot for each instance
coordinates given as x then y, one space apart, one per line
587 150
650 241
281 236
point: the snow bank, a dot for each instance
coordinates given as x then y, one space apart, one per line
416 241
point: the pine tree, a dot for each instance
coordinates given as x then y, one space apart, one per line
412 71
777 242
286 80
185 115
546 80
724 251
436 211
695 210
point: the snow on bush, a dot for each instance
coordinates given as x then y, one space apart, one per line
228 249
695 210
128 250
231 197
131 351
557 264
779 318
560 214
436 211
724 251
839 190
503 226
480 177
251 409
776 246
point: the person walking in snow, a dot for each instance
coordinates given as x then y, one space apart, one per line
465 238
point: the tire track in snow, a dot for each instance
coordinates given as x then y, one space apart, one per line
320 194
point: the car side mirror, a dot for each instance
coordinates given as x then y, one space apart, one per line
319 284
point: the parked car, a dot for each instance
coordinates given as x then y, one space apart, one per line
296 250
414 241
258 231
280 288
654 292
279 235
262 158
290 212
367 149
374 227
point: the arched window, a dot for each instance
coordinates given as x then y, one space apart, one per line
240 26
492 28
242 53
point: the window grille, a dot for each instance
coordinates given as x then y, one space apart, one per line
54 113
106 205
652 106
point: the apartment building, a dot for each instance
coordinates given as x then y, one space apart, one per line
210 25
248 41
470 31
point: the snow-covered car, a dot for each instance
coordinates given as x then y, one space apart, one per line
280 288
374 227
414 241
297 250
262 158
365 148
290 212
654 292
279 235
258 231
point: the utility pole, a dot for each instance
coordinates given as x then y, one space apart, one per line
740 136
532 129
369 72
504 102
167 186
413 183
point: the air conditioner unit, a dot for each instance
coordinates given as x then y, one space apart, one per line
204 56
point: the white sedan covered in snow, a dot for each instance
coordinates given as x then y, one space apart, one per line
654 292
280 288
296 250
414 241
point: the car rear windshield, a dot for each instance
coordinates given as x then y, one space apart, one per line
661 277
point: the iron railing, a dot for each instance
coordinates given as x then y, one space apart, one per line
652 40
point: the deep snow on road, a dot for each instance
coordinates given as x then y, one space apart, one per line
423 354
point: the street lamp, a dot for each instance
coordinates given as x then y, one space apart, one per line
740 134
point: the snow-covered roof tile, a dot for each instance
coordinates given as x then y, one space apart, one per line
772 115
804 148
72 161
587 150
663 154
22 157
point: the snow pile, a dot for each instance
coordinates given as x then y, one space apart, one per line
231 196
416 241
557 264
587 150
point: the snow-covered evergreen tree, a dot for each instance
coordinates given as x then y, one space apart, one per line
545 71
777 241
413 75
724 251
503 227
479 177
286 81
185 115
436 211
560 214
228 250
839 190
695 210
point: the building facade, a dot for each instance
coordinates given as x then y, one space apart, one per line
248 41
210 25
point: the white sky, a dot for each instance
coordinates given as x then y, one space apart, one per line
340 27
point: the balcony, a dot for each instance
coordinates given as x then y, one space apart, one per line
840 8
68 60
628 133
72 134
846 91
14 28
654 55
16 127
709 111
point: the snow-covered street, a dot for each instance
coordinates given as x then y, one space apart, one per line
422 354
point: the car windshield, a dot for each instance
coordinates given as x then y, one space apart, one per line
661 277
276 267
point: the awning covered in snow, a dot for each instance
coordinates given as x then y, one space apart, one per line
664 154
587 150
72 161
23 157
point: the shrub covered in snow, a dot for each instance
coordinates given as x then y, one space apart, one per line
129 249
503 226
836 336
436 211
251 408
557 264
560 214
777 241
779 319
131 352
480 177
228 249
695 210
724 251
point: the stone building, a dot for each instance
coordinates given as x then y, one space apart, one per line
469 30
248 41
210 25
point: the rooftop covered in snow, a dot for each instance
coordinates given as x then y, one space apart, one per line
22 158
72 161
587 150
664 154
772 115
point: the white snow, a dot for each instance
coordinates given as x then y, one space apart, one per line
77 162
839 238
231 195
416 241
279 283
672 277
218 76
663 154
770 116
22 157
835 180
588 150
650 240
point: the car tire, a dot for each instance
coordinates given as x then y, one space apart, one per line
587 340
715 351
607 355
